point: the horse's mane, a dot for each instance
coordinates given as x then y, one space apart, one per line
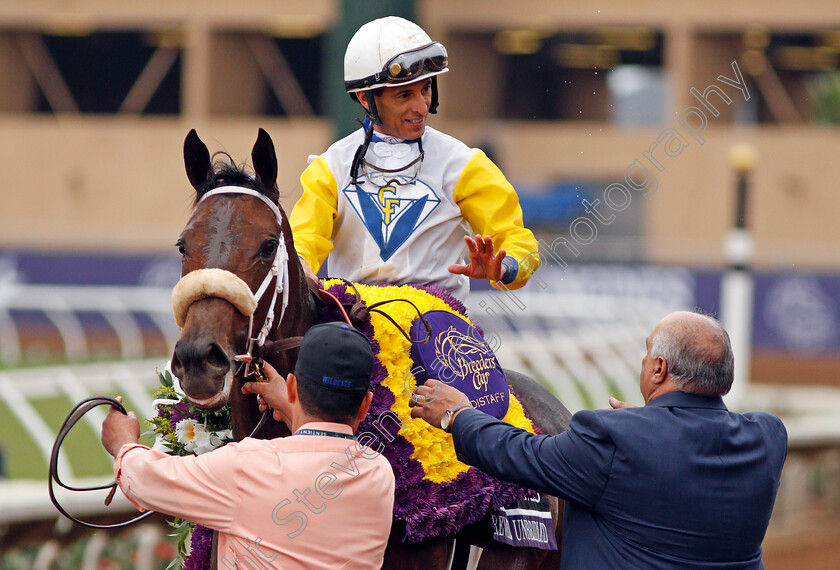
224 172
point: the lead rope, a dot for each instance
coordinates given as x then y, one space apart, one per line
359 312
72 419
75 415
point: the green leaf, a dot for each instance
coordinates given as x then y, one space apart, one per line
165 378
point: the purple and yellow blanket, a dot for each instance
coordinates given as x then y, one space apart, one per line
436 495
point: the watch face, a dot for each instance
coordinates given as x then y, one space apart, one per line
444 421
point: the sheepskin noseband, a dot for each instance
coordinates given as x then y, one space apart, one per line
212 282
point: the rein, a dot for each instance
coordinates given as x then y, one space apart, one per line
75 415
359 312
72 419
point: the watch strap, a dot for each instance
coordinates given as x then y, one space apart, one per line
452 411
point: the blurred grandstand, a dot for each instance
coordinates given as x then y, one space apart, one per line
570 99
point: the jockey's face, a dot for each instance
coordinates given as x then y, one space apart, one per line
403 109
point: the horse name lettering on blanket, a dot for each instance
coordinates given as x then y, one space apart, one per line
501 527
530 530
515 530
527 523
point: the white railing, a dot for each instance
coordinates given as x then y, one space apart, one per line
63 305
22 501
584 348
19 388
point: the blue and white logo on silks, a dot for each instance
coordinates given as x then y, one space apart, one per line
392 213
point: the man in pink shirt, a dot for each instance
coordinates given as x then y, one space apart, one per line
316 499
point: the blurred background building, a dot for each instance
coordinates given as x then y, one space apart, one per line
615 120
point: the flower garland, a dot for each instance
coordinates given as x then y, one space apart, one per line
436 495
185 430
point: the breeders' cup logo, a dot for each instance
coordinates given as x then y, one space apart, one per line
464 355
455 353
392 213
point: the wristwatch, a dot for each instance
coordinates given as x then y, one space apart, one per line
446 419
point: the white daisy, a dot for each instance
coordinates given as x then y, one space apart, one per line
185 432
203 440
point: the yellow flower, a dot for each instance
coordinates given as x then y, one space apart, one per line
433 448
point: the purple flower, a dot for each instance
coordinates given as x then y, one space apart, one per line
201 542
181 411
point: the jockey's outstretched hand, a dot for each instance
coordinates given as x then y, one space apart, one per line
272 394
483 264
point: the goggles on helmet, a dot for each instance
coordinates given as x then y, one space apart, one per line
410 65
407 66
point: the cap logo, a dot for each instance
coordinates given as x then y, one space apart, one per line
336 382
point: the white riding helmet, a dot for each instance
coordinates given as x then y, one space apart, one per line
392 51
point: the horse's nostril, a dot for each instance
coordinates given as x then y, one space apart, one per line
216 357
190 358
177 366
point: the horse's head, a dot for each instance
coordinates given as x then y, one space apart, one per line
237 244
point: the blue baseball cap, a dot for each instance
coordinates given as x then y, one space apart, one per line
336 357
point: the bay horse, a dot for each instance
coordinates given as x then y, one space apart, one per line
246 233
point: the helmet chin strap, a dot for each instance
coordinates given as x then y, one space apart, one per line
359 157
433 107
371 112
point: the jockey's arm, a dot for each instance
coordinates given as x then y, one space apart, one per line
490 204
313 216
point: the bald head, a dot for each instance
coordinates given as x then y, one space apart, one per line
697 351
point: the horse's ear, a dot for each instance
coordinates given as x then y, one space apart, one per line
265 159
196 160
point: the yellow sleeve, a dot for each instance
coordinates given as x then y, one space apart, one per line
313 215
490 205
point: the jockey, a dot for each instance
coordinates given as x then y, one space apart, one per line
396 200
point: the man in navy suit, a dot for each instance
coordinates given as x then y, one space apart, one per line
681 482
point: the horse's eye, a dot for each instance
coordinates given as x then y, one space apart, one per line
268 249
182 249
